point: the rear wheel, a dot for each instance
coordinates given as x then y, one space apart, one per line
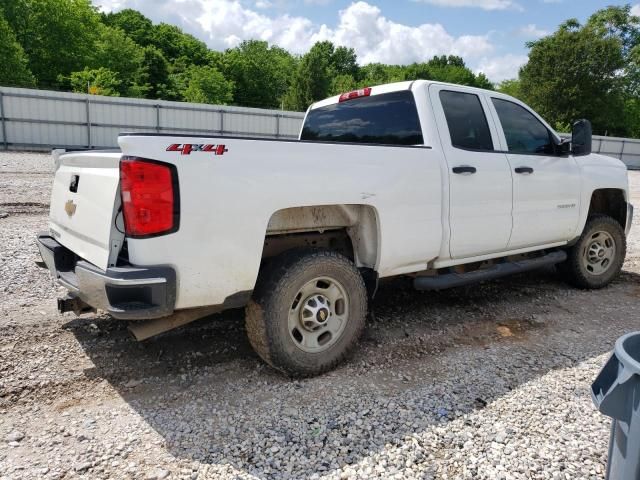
597 258
307 312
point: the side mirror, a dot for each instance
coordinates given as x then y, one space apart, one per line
564 147
581 136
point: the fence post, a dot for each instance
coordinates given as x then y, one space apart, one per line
277 125
88 124
158 118
622 149
4 126
221 122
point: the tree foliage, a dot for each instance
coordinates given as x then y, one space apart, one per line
98 81
585 71
260 73
58 36
207 85
13 68
117 52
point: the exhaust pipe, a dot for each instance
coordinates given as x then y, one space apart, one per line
71 303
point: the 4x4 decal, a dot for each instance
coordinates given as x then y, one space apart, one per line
187 148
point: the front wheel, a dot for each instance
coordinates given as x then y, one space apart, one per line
307 312
597 257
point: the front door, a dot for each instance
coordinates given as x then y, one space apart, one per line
480 183
546 185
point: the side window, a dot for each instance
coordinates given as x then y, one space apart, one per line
523 131
467 122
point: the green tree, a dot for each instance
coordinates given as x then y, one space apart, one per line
449 69
13 68
116 52
483 82
344 61
378 74
342 83
99 81
261 74
155 74
616 22
138 27
312 79
207 85
510 87
573 74
58 36
178 47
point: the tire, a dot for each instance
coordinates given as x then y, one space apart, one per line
307 312
597 257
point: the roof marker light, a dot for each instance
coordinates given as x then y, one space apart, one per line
363 92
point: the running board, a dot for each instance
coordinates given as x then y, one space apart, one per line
449 280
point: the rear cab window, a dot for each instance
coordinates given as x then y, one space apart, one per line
384 119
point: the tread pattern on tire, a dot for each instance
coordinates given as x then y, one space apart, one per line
272 282
572 270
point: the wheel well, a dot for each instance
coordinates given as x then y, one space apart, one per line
336 240
351 230
609 201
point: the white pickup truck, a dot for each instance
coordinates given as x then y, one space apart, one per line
445 183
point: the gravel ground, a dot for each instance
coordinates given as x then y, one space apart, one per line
486 382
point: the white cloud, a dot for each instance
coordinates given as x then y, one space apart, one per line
362 26
531 31
501 68
483 4
635 10
378 39
224 23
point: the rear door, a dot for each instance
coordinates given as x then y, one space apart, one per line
480 183
84 203
546 186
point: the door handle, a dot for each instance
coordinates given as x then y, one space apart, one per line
524 170
464 169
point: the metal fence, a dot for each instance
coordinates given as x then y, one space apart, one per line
38 119
625 149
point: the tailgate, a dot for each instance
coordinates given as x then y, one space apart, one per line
84 202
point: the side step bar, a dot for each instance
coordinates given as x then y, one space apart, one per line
449 280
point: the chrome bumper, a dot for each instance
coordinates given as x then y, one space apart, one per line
128 293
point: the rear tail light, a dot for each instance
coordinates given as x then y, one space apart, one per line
363 92
150 197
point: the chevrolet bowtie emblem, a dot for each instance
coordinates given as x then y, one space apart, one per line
70 208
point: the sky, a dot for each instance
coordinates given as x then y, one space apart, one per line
489 34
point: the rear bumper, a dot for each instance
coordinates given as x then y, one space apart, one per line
127 293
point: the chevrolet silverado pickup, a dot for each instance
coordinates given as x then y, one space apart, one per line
444 183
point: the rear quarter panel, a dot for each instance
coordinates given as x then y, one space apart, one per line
226 202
